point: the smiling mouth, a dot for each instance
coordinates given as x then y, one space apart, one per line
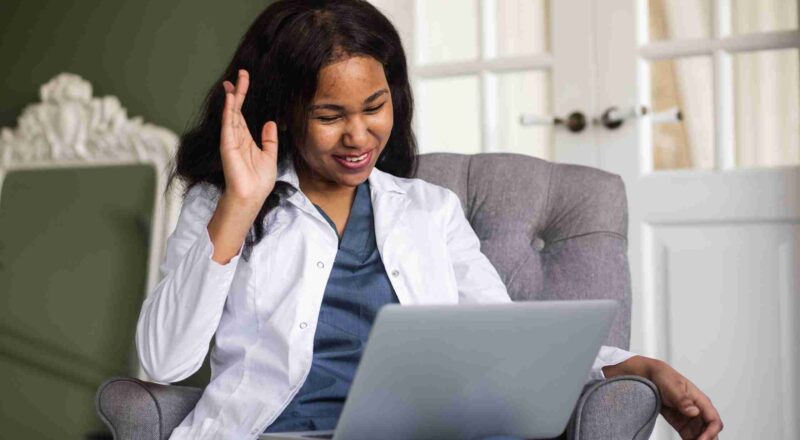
354 162
354 158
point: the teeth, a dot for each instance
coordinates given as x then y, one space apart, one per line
356 159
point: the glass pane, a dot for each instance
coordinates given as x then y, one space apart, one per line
450 115
763 15
767 94
685 84
518 93
679 19
522 27
447 33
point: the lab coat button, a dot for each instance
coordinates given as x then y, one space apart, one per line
320 264
303 325
395 273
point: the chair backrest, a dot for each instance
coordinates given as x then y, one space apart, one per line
553 231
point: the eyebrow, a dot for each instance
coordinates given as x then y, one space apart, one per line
371 98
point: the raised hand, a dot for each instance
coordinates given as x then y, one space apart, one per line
250 171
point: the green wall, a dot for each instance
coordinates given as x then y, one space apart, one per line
159 57
73 255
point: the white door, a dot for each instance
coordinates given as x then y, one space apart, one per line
478 65
714 200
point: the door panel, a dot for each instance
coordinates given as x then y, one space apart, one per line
713 241
729 330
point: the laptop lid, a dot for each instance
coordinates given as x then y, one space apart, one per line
471 371
474 370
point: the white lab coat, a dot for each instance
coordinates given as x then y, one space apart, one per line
263 311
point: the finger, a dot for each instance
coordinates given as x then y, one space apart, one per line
711 431
227 117
269 138
675 418
710 413
228 86
241 88
679 396
692 429
710 416
689 409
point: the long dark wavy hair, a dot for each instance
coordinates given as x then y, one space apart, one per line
284 50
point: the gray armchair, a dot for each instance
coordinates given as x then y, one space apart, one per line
553 231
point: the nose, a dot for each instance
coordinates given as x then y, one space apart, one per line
356 132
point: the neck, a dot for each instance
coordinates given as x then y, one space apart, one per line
323 192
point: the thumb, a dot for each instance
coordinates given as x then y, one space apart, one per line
681 399
688 408
269 139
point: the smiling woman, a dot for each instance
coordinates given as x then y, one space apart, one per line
351 121
302 218
294 78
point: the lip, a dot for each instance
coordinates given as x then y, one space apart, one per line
354 167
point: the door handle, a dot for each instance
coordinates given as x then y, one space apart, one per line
575 121
612 118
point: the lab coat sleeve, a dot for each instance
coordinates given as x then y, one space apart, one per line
181 314
608 356
478 281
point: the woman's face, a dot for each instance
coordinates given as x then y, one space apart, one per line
350 117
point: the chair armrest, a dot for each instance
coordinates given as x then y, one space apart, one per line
624 407
135 409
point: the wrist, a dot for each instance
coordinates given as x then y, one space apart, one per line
634 366
240 204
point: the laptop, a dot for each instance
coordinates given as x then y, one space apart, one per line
469 371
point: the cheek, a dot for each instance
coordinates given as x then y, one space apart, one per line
384 124
321 139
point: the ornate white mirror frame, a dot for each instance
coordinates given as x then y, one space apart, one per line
70 128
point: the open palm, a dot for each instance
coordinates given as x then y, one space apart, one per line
250 171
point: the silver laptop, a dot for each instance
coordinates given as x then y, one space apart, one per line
470 371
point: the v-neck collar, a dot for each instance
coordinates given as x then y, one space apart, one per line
360 218
388 199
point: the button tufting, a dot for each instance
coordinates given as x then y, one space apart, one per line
395 273
320 264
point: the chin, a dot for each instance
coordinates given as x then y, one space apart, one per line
355 179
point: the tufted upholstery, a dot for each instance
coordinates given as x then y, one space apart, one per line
552 231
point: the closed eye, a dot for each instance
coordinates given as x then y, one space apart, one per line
368 110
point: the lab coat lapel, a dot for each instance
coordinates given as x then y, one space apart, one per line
389 203
389 200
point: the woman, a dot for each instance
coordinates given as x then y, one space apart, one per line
301 219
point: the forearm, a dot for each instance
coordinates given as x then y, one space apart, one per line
229 225
181 314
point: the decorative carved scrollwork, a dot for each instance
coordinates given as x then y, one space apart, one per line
70 125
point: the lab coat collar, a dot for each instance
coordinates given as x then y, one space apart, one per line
389 200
